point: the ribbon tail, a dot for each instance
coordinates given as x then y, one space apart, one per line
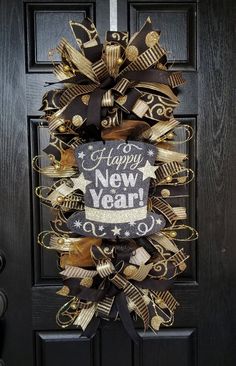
94 108
126 318
91 329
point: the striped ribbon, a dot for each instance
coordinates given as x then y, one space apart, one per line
165 209
77 272
141 272
163 241
121 86
135 295
100 70
168 156
74 91
112 54
168 169
104 268
80 61
84 317
104 306
160 129
168 299
179 257
148 58
176 79
60 73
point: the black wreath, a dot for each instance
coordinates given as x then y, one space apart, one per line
119 90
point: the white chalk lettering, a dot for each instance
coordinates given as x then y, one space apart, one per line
131 161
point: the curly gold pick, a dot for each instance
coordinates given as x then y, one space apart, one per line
172 232
67 313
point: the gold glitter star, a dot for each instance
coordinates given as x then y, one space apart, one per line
148 170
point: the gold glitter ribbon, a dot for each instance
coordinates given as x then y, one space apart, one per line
159 107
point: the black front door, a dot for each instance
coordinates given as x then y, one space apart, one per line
200 38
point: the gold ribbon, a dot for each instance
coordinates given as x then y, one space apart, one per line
77 272
74 91
168 156
167 210
121 86
165 242
53 171
164 89
104 268
104 306
168 170
84 66
141 272
148 58
112 54
160 129
141 256
85 316
100 70
167 299
158 107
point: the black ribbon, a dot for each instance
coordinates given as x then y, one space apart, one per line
150 75
153 284
125 317
84 293
91 328
95 101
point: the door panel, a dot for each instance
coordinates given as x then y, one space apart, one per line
46 23
199 38
29 332
56 348
177 22
174 346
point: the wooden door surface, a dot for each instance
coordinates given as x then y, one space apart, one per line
199 36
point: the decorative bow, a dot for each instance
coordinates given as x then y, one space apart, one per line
127 283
